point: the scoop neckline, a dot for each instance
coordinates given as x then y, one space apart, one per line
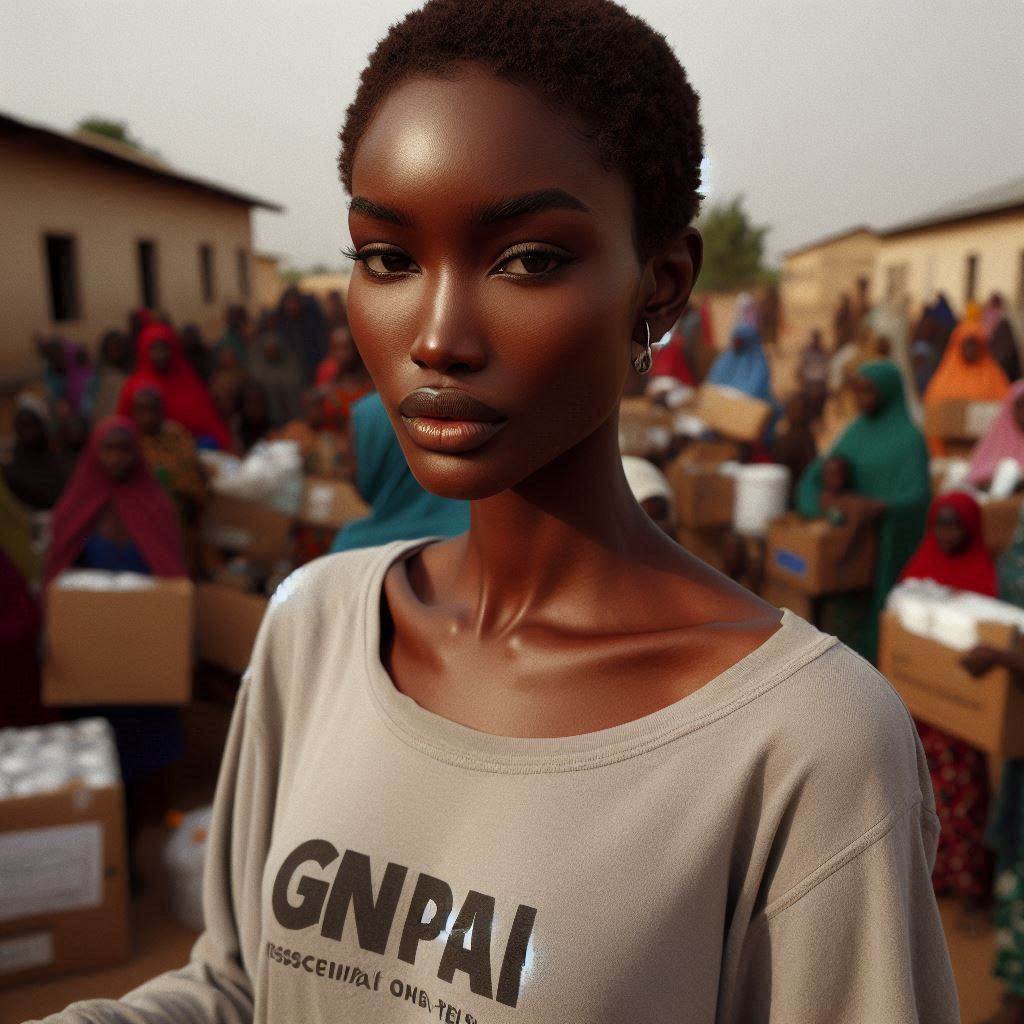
792 645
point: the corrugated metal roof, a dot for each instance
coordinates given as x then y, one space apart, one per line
110 151
1007 196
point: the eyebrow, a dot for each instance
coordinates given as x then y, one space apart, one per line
490 213
379 212
529 202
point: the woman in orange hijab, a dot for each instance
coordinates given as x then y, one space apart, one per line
967 371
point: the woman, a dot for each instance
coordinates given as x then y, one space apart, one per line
68 375
402 509
112 371
744 365
36 473
1004 439
276 369
161 364
1002 342
953 553
482 708
115 516
889 464
967 371
301 327
342 378
1005 832
172 457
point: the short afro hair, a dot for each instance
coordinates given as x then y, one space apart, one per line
591 58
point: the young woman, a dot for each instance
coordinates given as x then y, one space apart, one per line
554 769
160 363
1004 439
888 464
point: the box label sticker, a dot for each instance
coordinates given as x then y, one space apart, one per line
25 951
44 870
790 561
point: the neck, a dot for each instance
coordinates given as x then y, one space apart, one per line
555 542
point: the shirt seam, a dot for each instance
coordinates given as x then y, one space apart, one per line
865 841
601 758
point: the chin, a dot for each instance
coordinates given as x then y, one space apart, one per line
461 477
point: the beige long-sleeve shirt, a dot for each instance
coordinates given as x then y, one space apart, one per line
759 851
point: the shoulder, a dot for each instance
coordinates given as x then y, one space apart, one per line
842 762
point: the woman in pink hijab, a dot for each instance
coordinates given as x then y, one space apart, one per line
1004 439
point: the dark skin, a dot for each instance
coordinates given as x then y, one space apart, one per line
950 533
564 609
160 354
30 431
972 350
148 412
1018 412
118 457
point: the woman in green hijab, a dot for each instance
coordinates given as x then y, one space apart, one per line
888 461
402 510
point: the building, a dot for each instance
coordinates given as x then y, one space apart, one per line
968 250
268 282
94 228
815 277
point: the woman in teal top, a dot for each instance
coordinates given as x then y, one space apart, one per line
402 510
888 459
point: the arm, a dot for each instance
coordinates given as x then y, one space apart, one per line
860 940
982 658
216 986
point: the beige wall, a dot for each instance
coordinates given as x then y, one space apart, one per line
936 260
268 284
813 282
108 209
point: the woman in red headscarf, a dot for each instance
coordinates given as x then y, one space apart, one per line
161 363
953 553
113 513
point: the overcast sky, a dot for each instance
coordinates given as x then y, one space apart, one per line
823 113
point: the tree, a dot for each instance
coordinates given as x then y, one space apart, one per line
733 248
116 130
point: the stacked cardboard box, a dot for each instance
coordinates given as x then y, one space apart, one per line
732 413
807 554
958 420
119 646
704 495
227 621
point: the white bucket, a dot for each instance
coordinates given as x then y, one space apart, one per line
761 496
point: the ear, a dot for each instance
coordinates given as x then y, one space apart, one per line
669 278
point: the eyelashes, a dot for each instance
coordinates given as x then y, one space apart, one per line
375 261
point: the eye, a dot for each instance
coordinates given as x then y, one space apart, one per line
383 262
532 262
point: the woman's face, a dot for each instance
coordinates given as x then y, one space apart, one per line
499 265
868 398
160 356
950 532
148 412
971 350
117 454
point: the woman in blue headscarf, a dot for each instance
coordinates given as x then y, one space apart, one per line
744 365
402 510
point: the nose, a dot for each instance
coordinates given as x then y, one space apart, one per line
448 341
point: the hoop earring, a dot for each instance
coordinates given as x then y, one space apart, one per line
642 363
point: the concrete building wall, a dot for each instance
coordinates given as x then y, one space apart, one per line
107 210
813 282
268 284
935 259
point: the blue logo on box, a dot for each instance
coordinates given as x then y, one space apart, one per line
790 561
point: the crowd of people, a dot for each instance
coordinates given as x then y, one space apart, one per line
852 433
103 471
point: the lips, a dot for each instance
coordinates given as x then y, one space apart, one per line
447 404
449 420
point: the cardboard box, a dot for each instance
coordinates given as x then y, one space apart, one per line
710 452
731 413
249 528
805 553
707 543
958 420
999 520
120 646
704 496
333 503
227 621
987 712
644 428
784 595
63 883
